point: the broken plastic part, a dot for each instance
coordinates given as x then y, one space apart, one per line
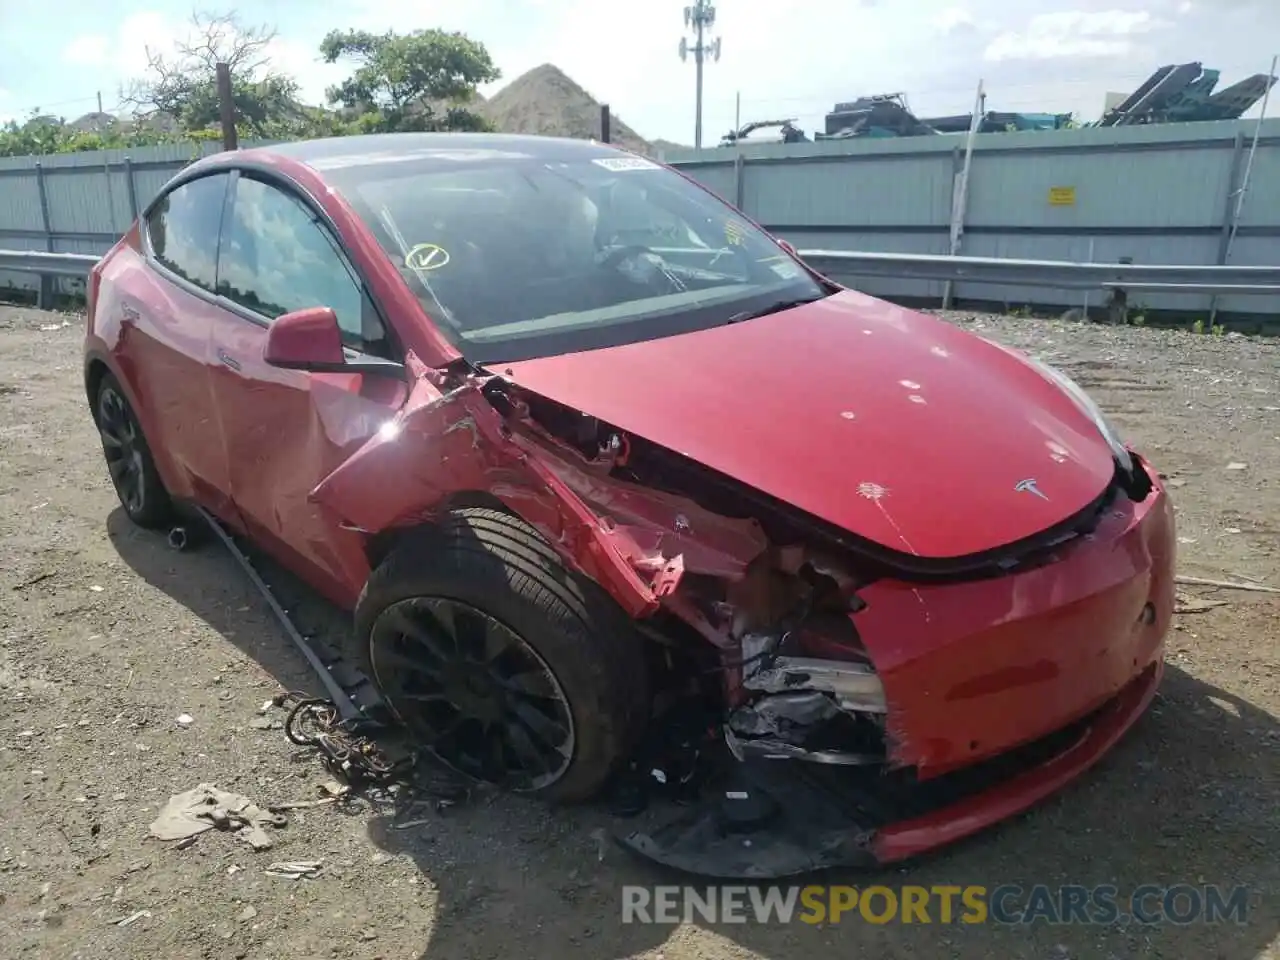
766 823
773 749
854 685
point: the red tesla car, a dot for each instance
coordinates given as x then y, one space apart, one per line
573 438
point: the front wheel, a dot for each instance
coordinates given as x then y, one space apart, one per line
506 665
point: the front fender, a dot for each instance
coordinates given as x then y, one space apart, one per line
445 443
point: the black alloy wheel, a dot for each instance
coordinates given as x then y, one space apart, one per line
481 698
126 456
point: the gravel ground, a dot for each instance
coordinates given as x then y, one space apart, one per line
108 637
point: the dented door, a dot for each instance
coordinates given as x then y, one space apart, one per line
286 430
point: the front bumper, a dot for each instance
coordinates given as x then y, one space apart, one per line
1000 692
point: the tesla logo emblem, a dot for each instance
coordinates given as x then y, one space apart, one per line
1029 486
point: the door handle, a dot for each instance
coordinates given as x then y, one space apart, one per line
227 360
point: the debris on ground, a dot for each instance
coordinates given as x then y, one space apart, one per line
1225 584
302 804
295 869
205 807
1186 604
344 748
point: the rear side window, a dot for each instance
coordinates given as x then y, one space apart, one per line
182 229
276 259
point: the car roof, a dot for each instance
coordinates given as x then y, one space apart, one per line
444 149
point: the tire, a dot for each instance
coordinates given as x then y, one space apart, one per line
138 486
492 562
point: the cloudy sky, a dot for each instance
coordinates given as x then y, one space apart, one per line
784 60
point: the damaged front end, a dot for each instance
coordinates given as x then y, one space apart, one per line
709 569
758 610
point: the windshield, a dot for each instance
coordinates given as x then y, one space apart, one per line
523 257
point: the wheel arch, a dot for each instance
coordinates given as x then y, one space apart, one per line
97 365
378 546
95 368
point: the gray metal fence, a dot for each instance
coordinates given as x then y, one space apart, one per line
1159 194
80 202
1162 194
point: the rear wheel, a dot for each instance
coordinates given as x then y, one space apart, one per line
506 665
129 462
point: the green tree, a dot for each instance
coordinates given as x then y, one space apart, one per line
422 80
43 134
184 87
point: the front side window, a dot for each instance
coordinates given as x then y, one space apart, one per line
277 258
518 256
182 229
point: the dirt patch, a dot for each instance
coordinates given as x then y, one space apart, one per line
108 637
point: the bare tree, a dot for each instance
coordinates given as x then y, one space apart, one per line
183 86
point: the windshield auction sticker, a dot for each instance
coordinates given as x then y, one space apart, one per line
426 256
621 164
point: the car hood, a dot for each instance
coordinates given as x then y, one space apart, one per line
895 426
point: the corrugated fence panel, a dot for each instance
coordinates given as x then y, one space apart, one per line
1155 194
1262 200
149 180
718 178
20 204
893 192
85 202
1103 188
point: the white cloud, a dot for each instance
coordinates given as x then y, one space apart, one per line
784 61
954 20
89 50
1106 33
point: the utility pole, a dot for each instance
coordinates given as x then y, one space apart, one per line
226 106
700 17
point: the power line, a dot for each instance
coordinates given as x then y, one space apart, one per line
46 107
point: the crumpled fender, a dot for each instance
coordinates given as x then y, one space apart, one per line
442 443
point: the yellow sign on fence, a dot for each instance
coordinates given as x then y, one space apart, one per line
1062 196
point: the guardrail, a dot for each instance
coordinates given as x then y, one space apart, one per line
1053 274
47 264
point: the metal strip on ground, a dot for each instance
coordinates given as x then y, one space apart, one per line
347 707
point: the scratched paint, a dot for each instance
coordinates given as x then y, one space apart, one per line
909 384
872 491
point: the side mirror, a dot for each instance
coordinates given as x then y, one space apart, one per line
786 245
311 340
305 340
